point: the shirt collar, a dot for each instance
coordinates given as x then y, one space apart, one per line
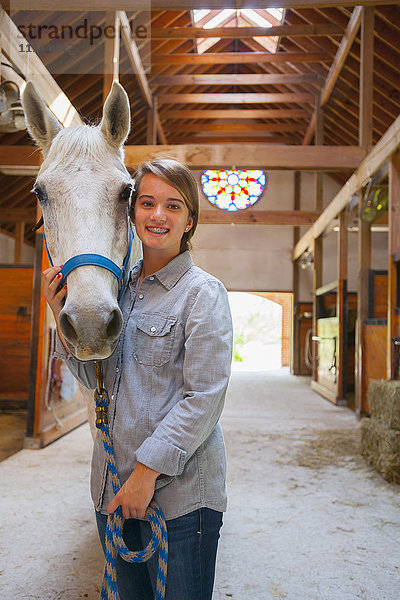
171 273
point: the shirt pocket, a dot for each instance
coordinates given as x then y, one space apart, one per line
154 339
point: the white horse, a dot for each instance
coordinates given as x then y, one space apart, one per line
84 188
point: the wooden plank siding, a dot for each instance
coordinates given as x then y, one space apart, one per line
373 336
378 295
15 331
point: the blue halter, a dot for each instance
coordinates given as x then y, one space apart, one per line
99 261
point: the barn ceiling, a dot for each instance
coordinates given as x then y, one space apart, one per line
225 84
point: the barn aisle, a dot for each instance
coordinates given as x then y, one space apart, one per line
307 518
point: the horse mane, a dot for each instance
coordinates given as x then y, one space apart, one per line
81 142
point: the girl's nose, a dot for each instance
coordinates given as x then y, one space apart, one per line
158 213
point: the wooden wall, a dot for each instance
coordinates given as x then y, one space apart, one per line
15 332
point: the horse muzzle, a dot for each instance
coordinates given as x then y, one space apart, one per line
91 334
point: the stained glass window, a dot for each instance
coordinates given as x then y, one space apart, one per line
233 190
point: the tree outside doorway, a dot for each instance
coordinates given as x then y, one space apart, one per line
257 332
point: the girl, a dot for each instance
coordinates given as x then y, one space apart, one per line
167 381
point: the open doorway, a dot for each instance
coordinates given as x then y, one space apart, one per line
261 325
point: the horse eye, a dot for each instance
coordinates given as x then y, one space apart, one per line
40 194
126 193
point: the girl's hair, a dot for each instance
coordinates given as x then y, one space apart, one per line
178 176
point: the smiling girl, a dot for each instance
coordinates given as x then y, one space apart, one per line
167 381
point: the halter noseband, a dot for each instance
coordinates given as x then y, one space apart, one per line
99 261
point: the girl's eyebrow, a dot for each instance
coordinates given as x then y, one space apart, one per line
168 199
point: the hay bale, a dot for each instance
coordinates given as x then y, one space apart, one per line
380 445
384 402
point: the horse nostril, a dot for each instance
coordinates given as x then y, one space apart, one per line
67 328
114 324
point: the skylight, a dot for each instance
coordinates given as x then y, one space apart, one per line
230 17
218 19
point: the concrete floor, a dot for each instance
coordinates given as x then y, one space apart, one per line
307 518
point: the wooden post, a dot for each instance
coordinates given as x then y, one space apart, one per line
318 254
342 267
111 54
318 141
151 132
394 247
364 232
366 76
364 265
295 346
317 283
19 242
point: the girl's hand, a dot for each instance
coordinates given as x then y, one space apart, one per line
50 281
136 493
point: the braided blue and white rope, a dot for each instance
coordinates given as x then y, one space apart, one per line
113 539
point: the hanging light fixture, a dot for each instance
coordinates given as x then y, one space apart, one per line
11 114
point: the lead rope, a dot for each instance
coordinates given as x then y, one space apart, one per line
113 540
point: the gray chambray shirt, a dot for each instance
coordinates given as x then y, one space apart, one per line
167 381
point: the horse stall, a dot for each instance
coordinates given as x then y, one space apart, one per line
374 333
56 403
335 343
302 334
15 330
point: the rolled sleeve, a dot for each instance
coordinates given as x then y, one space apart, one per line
206 371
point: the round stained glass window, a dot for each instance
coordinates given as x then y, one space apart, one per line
233 190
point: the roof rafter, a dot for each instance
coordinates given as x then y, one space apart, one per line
336 67
134 57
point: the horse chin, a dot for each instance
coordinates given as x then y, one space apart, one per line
86 353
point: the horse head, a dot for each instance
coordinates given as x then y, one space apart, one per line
84 190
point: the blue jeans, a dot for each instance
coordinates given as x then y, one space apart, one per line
192 552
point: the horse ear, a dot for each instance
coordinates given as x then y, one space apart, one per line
116 121
41 123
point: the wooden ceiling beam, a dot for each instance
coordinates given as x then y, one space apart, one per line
336 67
231 127
315 158
258 217
235 79
180 5
161 33
17 215
295 113
26 159
279 140
232 58
236 98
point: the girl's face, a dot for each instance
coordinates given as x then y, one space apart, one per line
161 216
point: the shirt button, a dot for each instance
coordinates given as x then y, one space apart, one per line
151 278
112 397
152 329
117 369
140 296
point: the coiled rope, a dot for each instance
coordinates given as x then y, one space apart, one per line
113 539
